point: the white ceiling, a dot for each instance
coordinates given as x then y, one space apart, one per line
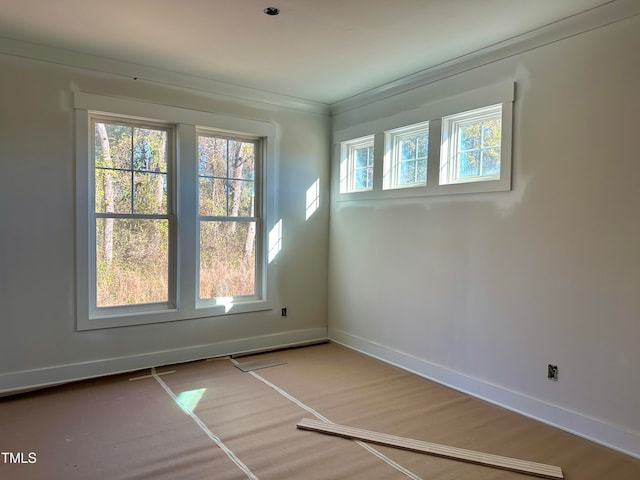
319 50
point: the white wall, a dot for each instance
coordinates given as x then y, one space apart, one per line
482 291
38 341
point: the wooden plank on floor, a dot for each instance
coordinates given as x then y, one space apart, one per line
471 456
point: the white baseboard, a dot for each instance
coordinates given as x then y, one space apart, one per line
596 430
31 379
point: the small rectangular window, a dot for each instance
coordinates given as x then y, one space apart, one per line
405 162
356 166
471 146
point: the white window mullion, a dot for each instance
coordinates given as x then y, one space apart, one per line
188 242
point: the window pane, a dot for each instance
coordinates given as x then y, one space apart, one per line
241 195
491 161
213 196
407 149
361 178
150 193
469 136
241 160
423 145
227 259
361 157
421 171
412 165
362 168
132 261
212 155
149 150
227 177
469 164
113 191
113 145
492 132
121 150
369 180
407 173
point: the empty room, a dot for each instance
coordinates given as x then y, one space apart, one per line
318 239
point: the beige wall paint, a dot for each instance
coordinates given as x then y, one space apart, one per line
482 291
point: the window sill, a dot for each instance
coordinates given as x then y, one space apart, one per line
501 185
129 319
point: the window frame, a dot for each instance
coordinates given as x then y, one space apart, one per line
348 167
434 112
103 311
256 217
185 122
392 158
449 162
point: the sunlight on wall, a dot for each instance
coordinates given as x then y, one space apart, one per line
275 241
313 198
188 400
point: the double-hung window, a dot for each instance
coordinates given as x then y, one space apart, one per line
172 209
133 222
228 220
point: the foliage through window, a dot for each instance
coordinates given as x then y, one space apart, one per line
133 214
406 158
472 143
227 216
356 171
455 151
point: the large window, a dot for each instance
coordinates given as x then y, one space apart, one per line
227 216
134 224
171 213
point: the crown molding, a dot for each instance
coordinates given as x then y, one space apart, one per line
143 73
611 12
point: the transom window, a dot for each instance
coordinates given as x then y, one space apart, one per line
472 143
406 158
460 144
356 170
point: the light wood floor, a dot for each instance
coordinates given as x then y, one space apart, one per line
244 426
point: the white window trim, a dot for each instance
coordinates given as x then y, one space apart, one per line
392 153
449 152
347 163
185 164
433 112
170 303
